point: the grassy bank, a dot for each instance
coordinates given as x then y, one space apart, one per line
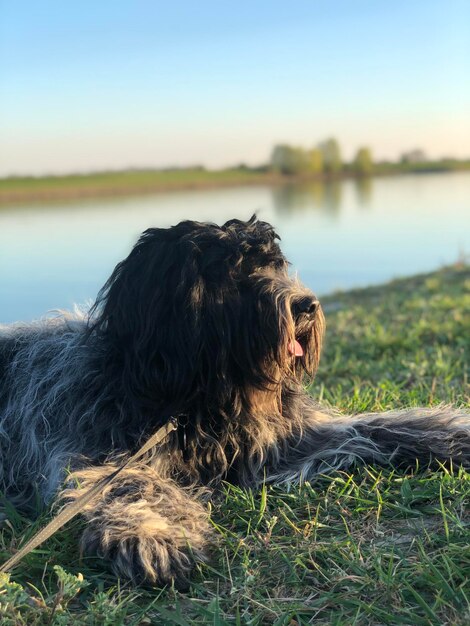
130 182
374 546
19 189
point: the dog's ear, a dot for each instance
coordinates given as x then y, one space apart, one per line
148 315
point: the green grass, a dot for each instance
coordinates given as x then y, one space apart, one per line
375 546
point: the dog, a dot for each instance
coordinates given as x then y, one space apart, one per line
205 324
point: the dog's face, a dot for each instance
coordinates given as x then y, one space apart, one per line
202 309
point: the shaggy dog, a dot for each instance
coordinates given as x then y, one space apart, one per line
204 323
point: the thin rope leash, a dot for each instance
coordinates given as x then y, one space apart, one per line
75 507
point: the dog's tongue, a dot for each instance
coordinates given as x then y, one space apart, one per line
295 348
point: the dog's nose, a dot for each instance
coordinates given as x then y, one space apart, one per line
307 305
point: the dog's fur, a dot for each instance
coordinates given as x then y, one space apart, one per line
199 321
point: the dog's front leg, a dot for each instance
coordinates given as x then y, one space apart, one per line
148 528
327 442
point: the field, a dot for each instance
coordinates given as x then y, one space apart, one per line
375 546
21 189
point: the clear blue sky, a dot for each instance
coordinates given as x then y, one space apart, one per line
96 84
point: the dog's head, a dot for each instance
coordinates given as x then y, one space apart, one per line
202 311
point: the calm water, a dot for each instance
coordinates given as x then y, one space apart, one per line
337 236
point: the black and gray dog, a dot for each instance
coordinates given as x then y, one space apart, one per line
204 323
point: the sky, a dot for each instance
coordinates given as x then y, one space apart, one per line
144 83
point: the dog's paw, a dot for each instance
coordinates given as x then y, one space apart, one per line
150 560
148 528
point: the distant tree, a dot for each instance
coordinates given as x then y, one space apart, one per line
331 154
414 156
289 160
363 164
315 161
279 157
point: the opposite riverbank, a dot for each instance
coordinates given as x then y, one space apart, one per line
135 182
369 546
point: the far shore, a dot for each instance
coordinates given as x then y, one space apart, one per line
18 189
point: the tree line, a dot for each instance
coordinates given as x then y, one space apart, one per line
324 158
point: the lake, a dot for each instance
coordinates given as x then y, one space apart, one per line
337 235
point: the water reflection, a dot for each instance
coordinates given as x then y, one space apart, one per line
321 196
363 189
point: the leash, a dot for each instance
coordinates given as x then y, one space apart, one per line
75 507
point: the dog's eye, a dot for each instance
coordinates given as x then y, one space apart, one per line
307 306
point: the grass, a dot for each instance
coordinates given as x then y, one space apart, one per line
375 546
